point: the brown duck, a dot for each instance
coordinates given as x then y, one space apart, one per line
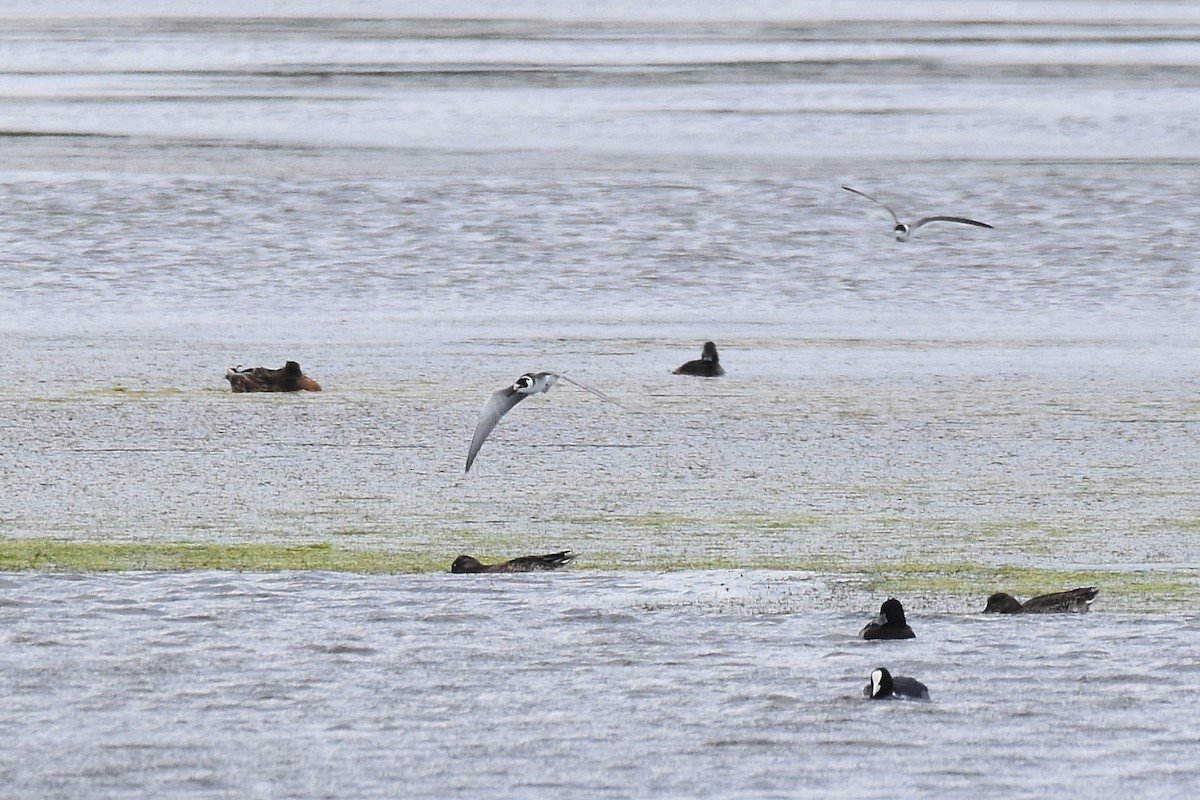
1075 601
288 378
467 564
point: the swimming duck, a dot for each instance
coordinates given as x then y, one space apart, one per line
708 365
889 624
288 378
1071 601
505 398
884 685
467 564
903 231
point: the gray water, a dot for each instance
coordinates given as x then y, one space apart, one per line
589 685
419 204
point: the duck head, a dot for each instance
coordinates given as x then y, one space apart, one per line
1002 603
465 564
891 613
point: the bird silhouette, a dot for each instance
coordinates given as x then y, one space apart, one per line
903 230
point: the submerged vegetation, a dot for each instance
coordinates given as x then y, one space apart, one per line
1131 590
1140 590
77 556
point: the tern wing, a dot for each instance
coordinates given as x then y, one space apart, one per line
499 404
876 202
587 388
963 220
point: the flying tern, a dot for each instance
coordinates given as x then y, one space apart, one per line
903 230
503 399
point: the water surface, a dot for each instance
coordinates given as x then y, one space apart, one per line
421 204
716 684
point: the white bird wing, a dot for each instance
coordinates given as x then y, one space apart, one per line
876 202
499 404
963 220
503 400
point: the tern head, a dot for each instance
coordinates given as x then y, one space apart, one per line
535 382
902 231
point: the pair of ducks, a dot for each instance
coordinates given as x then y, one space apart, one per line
891 624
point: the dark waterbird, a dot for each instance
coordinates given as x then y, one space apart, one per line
1072 601
708 365
467 564
904 231
884 685
288 378
890 623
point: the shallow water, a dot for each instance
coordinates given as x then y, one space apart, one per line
420 206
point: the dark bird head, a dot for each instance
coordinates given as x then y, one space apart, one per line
709 353
465 564
892 613
293 379
1001 603
881 684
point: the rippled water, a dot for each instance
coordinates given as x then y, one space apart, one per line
419 204
724 684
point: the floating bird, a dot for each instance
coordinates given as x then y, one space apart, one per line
288 378
708 365
903 230
502 401
884 685
1076 601
889 624
467 564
